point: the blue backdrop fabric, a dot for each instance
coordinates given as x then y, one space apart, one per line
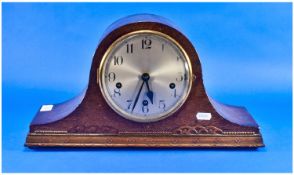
246 55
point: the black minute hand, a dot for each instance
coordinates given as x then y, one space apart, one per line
137 97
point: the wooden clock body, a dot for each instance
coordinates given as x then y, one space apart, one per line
88 121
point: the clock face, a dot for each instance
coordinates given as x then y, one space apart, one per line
145 76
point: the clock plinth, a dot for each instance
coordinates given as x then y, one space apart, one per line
88 121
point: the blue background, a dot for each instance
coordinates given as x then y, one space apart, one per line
246 55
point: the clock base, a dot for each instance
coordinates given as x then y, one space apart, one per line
98 140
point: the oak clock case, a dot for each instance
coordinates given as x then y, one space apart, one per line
145 90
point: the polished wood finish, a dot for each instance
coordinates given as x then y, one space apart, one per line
94 124
96 140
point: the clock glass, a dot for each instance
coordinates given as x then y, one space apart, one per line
145 76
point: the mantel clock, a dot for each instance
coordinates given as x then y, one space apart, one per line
145 90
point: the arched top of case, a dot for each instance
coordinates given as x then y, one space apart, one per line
143 22
137 18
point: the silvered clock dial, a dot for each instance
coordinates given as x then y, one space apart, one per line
145 76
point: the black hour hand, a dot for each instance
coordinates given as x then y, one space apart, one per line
145 78
149 93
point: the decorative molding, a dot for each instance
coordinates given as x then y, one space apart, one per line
196 130
145 133
93 129
239 133
92 140
50 131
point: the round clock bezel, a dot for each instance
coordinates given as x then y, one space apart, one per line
117 108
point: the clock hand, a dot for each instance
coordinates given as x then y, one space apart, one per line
137 97
149 93
145 78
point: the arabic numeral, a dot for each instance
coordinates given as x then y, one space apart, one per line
161 104
116 92
110 76
180 77
129 103
130 48
145 109
175 93
146 43
118 60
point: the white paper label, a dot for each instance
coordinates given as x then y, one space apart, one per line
45 108
203 116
